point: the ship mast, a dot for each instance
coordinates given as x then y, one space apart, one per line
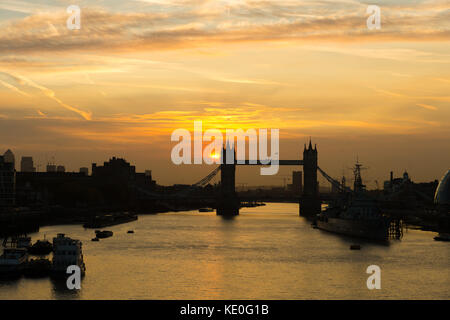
358 186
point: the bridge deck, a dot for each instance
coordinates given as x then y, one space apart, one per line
268 162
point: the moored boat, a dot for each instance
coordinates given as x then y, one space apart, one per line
103 234
110 220
66 252
41 247
358 216
13 261
38 268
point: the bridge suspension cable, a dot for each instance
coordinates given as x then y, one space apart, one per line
207 179
334 182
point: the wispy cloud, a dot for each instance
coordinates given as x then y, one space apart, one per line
407 96
13 88
427 106
41 114
27 7
48 93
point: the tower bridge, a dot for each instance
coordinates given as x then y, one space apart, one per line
228 203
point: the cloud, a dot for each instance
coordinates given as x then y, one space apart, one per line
427 106
26 7
13 88
401 95
50 94
396 54
179 27
41 113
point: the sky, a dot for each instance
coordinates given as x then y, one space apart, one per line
137 70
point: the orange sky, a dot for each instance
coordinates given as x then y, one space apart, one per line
137 70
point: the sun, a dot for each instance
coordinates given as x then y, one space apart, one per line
214 155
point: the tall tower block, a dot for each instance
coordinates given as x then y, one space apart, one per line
310 203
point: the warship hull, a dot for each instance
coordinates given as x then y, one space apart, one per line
371 230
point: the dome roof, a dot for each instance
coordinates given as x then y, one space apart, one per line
442 195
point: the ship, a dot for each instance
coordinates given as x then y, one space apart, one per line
66 252
110 220
41 247
358 215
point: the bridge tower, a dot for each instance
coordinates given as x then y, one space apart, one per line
310 202
228 202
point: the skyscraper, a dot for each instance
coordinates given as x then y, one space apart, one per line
7 183
8 157
27 165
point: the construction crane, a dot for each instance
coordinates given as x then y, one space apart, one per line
378 187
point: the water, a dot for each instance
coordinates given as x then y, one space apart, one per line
265 253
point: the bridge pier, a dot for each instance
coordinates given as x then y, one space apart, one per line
228 203
310 203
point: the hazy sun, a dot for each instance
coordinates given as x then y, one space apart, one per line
215 155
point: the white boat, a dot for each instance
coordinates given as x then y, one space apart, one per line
13 261
66 252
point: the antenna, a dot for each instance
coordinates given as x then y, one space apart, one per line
357 184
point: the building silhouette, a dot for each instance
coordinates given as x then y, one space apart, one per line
118 181
395 184
145 179
7 183
27 165
115 167
9 157
297 182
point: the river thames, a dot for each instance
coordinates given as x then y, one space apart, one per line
266 252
